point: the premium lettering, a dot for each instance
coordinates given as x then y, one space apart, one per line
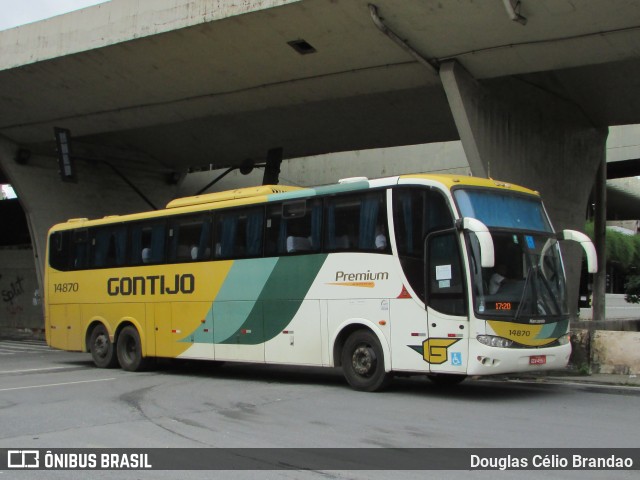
152 285
361 277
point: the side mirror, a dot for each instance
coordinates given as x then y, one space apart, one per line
487 254
585 242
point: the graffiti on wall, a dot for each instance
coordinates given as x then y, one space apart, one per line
11 292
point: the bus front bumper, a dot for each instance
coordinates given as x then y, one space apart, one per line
486 360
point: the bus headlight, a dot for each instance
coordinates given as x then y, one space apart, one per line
564 339
493 341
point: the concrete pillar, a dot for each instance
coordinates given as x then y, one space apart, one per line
513 131
99 191
600 234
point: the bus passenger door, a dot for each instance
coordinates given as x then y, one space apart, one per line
447 345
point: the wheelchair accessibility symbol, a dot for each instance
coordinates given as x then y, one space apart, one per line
456 358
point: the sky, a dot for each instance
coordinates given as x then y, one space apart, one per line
18 12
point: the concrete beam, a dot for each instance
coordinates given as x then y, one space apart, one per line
516 132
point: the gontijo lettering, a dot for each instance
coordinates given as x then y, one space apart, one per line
152 285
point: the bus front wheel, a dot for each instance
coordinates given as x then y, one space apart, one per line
363 362
103 352
129 350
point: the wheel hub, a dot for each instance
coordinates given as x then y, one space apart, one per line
101 345
363 360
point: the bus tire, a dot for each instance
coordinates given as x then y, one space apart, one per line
363 362
129 350
103 352
447 379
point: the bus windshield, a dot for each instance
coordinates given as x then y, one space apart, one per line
500 209
527 283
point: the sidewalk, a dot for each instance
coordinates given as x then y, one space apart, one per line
569 376
601 379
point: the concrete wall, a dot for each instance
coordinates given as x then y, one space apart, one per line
447 157
616 352
606 347
21 307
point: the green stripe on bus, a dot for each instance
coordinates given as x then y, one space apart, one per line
280 299
325 190
554 330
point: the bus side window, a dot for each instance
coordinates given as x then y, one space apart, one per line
445 279
190 239
239 233
356 223
298 231
417 212
59 243
340 223
147 243
373 225
80 249
108 246
276 236
294 227
437 214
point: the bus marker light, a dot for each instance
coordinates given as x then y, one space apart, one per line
382 322
245 331
176 331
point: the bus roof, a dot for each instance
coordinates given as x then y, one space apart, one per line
269 193
236 194
450 181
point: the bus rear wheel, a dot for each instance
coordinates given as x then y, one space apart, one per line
129 350
363 362
102 349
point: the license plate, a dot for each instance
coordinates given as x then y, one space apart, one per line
538 360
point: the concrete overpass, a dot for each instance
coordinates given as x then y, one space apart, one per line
152 90
191 83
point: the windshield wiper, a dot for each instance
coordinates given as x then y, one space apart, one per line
549 294
524 291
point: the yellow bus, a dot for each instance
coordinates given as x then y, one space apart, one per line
440 275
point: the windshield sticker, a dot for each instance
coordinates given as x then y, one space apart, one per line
530 242
443 272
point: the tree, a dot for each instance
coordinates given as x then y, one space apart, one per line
624 251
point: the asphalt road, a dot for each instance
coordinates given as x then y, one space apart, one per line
53 399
